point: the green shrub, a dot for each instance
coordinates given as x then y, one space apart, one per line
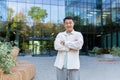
6 60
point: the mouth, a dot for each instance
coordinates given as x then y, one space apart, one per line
69 27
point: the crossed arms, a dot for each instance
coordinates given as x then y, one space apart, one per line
62 45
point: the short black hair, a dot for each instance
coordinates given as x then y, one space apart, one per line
68 17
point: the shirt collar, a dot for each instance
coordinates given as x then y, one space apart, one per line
69 33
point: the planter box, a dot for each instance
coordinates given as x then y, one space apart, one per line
108 56
23 71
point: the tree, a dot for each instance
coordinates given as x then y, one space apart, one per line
7 25
49 28
37 14
10 14
18 21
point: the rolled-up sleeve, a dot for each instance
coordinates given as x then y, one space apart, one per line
59 46
76 44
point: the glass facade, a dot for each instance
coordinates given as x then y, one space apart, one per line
32 23
99 21
3 17
3 10
35 23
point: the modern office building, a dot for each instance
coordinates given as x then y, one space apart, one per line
101 15
3 10
98 20
3 17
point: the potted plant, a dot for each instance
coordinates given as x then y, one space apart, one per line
6 59
115 51
93 51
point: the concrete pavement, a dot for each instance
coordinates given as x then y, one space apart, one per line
92 68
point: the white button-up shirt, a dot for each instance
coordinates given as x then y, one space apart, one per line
73 43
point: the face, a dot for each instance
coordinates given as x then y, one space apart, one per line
69 24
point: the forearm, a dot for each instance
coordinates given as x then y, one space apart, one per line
60 46
75 45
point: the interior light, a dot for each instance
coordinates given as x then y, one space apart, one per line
104 15
89 14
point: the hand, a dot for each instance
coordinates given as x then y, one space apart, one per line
62 43
76 40
73 49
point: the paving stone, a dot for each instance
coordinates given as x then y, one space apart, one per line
91 68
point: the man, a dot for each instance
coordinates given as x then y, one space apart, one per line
68 44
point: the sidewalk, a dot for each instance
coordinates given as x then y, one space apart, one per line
91 68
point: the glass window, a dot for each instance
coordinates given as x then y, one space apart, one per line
89 1
109 40
104 37
105 1
21 9
13 6
106 7
83 0
115 1
114 39
29 20
61 2
3 10
54 13
54 2
118 13
118 39
11 0
38 1
47 2
48 8
61 14
114 12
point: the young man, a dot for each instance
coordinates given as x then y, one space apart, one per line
68 44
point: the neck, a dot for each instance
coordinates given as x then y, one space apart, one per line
69 31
